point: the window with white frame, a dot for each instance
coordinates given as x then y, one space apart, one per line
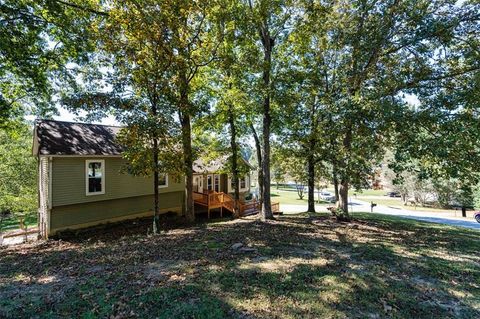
95 177
216 184
243 182
209 182
162 180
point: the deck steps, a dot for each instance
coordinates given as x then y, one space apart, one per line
215 200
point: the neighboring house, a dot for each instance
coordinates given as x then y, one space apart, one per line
80 183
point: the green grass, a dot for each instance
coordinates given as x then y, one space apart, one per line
13 222
378 266
368 192
287 197
397 202
290 197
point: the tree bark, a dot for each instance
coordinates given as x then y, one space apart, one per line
343 196
233 146
268 44
155 187
311 184
188 164
344 183
156 174
258 147
335 184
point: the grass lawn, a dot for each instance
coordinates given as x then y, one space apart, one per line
12 223
397 202
289 197
298 267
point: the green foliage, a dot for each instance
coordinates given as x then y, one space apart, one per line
18 172
37 41
476 196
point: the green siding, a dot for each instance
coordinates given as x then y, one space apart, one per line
68 182
102 211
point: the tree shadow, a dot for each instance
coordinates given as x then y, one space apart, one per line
313 267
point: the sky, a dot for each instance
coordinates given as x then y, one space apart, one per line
68 116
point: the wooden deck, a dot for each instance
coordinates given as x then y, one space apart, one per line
215 200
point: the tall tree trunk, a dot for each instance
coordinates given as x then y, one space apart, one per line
233 145
343 196
258 147
155 187
268 44
344 183
188 164
311 184
156 173
335 183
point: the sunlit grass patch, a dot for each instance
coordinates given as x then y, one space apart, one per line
301 266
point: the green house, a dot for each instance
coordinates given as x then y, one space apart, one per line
80 183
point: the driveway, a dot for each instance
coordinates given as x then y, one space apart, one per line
433 217
362 206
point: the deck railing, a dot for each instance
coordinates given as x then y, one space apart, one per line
213 199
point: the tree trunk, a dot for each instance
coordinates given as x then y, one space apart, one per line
311 184
258 147
155 187
344 183
233 145
268 44
188 164
156 173
343 196
335 184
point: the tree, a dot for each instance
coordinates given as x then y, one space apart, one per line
37 41
228 86
369 53
156 52
269 18
18 171
150 147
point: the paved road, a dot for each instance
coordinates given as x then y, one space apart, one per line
434 217
362 206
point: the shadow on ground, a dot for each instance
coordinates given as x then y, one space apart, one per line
296 266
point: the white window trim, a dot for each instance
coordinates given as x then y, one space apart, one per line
240 188
216 182
211 186
102 163
166 181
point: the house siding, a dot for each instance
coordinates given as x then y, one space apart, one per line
89 214
68 182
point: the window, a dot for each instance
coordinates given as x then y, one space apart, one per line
95 177
209 182
217 182
162 180
243 182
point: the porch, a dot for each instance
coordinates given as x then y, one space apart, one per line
218 200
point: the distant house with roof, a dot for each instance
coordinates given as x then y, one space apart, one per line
80 183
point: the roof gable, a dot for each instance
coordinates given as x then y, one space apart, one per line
67 138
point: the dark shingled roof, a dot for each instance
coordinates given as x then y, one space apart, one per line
66 138
82 139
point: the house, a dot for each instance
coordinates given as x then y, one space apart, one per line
209 177
80 183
